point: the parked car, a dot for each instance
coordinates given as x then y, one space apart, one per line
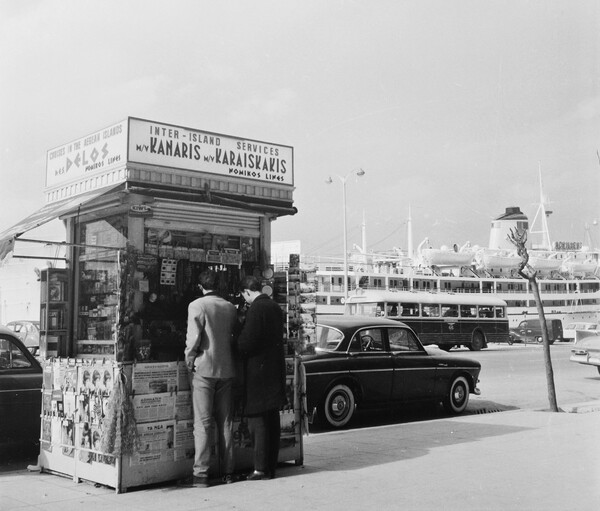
20 389
569 332
369 363
530 330
587 351
28 331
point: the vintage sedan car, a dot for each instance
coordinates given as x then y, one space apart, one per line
374 363
28 331
587 351
20 389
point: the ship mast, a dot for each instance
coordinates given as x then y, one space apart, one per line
543 213
411 250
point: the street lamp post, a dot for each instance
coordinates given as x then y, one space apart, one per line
360 173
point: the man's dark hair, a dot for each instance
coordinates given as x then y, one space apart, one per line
251 283
208 279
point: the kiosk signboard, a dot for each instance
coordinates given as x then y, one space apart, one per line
101 159
165 145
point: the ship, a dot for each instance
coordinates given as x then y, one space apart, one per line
567 273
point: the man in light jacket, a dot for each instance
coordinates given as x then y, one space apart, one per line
212 321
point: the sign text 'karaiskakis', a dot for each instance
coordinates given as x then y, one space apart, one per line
165 145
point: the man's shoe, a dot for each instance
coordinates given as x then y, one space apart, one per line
200 482
257 475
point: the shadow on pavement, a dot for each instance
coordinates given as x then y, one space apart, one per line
413 413
16 455
361 448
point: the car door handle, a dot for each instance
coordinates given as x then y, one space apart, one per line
442 365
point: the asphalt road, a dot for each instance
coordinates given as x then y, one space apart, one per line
515 377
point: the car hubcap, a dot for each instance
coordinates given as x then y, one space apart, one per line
339 406
459 395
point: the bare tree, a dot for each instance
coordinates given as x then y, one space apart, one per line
519 238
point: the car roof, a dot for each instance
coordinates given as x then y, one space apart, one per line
346 321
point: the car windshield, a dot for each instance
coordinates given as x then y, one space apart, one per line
328 338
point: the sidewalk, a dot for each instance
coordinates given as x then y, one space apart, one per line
523 460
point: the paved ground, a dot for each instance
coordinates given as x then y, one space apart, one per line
522 460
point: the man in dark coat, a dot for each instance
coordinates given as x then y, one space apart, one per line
261 345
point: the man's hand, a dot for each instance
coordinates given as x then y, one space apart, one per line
189 361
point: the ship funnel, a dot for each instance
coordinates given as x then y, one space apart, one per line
514 219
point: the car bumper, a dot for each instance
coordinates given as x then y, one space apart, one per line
584 357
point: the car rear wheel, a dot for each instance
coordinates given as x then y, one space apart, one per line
478 341
339 405
458 395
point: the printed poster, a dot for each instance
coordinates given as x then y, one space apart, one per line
157 443
155 378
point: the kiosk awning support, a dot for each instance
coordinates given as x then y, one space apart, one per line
44 215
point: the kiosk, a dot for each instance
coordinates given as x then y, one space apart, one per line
147 207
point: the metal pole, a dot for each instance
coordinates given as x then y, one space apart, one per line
345 242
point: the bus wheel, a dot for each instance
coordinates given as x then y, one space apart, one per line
478 341
458 396
339 405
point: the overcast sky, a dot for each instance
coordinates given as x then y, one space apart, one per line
449 106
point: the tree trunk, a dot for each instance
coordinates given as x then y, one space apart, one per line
518 238
546 340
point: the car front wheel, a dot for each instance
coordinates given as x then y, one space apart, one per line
339 405
458 395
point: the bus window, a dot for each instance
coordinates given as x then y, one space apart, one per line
450 311
499 312
468 311
363 309
486 311
431 311
380 309
392 310
410 309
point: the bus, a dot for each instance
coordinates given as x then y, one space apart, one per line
447 320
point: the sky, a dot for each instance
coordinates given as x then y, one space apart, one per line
451 107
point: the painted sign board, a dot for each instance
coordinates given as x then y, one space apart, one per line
166 145
100 159
91 155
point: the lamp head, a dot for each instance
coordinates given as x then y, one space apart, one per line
360 172
329 180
